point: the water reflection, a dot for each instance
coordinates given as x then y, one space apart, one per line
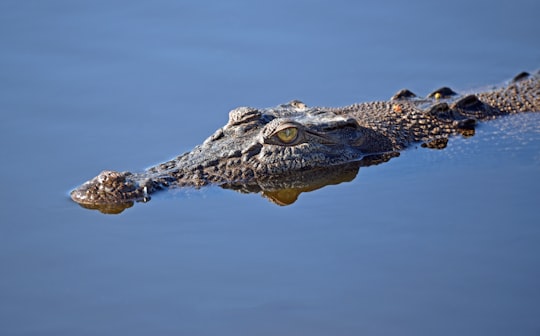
281 190
284 190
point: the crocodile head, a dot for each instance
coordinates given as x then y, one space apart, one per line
254 145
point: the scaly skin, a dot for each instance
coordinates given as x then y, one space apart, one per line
261 147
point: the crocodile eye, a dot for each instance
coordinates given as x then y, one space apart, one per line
288 134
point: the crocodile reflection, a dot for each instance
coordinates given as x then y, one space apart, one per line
281 190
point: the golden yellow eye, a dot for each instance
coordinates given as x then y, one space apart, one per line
288 135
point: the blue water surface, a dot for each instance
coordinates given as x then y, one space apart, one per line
431 243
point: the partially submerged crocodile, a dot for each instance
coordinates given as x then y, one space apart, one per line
275 148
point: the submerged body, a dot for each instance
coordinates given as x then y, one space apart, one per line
295 142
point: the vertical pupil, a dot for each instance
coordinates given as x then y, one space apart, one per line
288 135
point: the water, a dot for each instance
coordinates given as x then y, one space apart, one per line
433 242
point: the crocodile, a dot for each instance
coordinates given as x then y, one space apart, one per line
296 147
